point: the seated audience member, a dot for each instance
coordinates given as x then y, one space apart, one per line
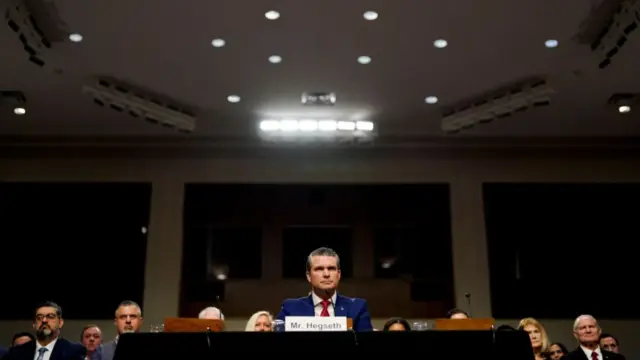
609 343
21 338
48 323
128 320
211 313
91 338
557 350
587 332
323 273
261 321
538 337
396 324
3 352
457 314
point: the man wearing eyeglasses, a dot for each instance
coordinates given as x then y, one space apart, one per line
48 345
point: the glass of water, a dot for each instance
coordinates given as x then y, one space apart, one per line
420 326
278 325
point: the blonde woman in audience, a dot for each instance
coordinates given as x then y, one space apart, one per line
538 337
262 321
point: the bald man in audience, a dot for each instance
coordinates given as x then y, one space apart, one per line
211 313
587 332
128 320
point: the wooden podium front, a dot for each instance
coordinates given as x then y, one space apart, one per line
465 324
192 325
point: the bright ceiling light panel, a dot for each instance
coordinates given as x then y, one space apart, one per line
275 59
431 100
551 43
76 38
440 43
364 60
218 43
233 98
19 111
315 129
370 15
272 15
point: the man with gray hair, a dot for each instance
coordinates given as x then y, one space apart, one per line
587 332
128 320
211 313
323 274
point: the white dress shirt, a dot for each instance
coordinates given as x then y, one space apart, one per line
588 352
317 304
47 354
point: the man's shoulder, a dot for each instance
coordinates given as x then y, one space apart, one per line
71 346
295 301
612 356
353 300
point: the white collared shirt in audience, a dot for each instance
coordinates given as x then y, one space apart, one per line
588 352
47 354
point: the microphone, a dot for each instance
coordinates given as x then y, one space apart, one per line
470 308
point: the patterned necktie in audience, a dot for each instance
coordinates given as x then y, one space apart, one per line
41 352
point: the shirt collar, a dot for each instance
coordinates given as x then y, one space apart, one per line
317 300
589 351
49 346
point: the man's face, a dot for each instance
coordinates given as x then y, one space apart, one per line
609 344
128 319
587 332
47 323
92 338
21 340
324 273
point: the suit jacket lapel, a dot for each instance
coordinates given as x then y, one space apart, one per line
58 350
309 307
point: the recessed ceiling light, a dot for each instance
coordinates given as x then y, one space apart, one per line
623 109
19 111
364 60
272 15
440 43
233 98
370 15
551 43
218 43
275 59
431 100
75 37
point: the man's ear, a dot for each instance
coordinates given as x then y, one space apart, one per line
61 323
308 276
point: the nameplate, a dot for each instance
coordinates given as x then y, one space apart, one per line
315 323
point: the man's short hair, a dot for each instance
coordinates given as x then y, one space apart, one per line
605 335
584 317
211 310
51 304
322 251
129 303
455 311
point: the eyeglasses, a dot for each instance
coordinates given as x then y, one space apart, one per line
50 316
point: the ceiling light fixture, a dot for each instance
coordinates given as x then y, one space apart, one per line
440 43
272 15
364 60
551 43
275 59
19 111
370 15
75 37
218 43
233 98
431 100
623 109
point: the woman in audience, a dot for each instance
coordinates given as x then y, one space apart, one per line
538 336
557 350
396 324
261 321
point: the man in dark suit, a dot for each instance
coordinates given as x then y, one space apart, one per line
323 273
3 351
587 331
128 320
48 345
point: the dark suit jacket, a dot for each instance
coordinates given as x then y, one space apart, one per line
3 351
107 350
353 308
63 350
579 354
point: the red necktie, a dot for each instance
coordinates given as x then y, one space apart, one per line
594 355
325 309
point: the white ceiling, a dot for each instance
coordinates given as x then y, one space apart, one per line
165 45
